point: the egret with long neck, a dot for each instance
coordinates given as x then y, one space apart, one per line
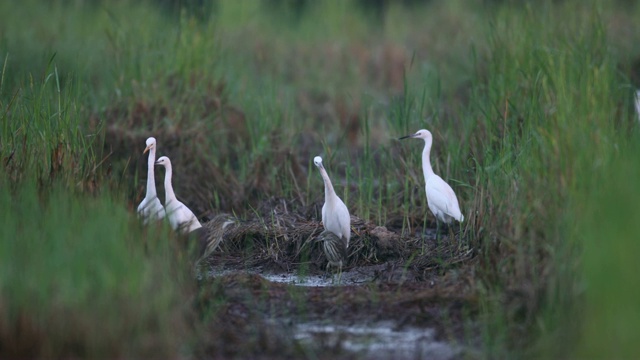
441 199
335 216
181 218
150 208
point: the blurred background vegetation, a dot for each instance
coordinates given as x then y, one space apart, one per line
530 104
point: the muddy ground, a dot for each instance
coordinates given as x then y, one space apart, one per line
402 295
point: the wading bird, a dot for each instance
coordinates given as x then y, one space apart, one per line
215 230
334 248
209 237
441 199
335 215
150 207
181 218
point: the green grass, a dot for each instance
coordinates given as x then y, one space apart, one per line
76 274
530 107
608 263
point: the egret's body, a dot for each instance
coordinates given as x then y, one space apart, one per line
335 218
181 218
150 208
441 199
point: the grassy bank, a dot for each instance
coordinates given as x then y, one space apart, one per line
530 107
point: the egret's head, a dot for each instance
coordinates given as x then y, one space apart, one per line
151 144
164 161
420 134
318 161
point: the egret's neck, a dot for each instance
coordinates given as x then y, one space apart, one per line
329 193
426 161
168 188
151 180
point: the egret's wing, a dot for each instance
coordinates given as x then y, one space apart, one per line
151 209
345 221
441 196
324 214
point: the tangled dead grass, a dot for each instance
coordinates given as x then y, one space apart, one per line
282 239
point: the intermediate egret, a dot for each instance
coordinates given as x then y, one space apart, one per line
150 207
181 218
335 215
441 199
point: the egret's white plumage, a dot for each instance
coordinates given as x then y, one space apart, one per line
441 199
180 217
150 208
335 215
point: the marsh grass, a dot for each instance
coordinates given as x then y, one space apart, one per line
526 104
76 274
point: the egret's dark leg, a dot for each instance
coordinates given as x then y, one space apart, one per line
437 232
423 235
326 271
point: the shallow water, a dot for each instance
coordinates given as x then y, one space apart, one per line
368 338
379 340
357 276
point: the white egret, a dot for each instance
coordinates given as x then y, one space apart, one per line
181 218
441 199
150 207
335 215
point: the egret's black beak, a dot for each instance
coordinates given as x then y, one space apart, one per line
157 162
406 137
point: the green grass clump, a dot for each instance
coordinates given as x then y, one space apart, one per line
608 226
42 134
80 277
547 114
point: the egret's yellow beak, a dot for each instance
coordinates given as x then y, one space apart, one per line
147 149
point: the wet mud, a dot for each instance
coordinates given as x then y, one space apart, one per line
402 295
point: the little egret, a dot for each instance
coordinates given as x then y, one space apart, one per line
150 207
181 218
441 199
335 215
